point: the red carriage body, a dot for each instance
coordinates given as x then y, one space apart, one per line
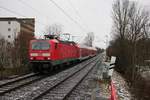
86 51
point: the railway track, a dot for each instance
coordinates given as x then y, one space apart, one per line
39 89
19 78
63 89
18 83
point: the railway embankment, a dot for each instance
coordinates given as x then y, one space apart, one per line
137 89
95 86
140 86
121 88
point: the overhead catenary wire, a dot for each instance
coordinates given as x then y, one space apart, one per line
66 14
11 11
16 13
26 4
34 9
77 13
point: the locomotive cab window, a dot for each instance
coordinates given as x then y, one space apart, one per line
40 45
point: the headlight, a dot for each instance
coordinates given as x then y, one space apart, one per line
33 54
46 54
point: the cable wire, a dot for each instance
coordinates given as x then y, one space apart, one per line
66 14
26 4
11 11
16 13
77 12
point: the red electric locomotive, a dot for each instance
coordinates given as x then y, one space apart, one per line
47 53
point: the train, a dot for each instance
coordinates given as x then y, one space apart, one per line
47 54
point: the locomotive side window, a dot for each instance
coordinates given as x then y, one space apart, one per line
40 45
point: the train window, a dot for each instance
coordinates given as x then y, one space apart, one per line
9 29
9 22
9 36
40 45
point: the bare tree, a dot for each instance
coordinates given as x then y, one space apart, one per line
120 17
131 30
131 24
89 39
54 29
5 55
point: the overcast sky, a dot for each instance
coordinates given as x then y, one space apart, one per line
91 15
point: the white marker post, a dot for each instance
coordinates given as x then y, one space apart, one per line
112 61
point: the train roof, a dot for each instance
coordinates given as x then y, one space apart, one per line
53 40
56 41
86 47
